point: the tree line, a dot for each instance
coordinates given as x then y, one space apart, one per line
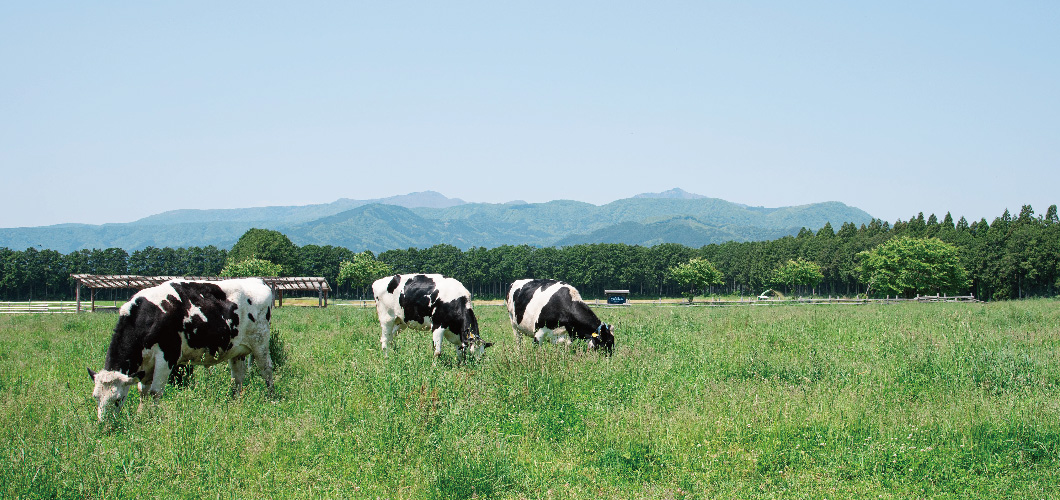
1010 257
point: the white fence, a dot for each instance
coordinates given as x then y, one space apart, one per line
38 307
751 301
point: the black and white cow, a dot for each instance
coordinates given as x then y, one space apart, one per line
428 302
554 310
179 322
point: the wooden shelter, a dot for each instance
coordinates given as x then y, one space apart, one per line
134 282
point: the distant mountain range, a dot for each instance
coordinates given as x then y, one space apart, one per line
428 218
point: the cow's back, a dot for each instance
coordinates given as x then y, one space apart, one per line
392 299
536 303
423 301
527 298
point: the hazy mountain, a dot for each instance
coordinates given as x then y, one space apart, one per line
296 214
675 193
687 231
429 218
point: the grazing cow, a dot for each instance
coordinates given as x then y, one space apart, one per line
179 322
553 309
428 302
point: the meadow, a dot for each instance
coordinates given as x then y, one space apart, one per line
875 401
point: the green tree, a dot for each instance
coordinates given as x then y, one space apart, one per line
444 259
362 270
324 261
696 274
908 266
152 261
798 273
251 267
266 244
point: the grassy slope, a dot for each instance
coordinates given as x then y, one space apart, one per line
929 400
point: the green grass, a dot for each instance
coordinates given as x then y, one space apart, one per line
903 401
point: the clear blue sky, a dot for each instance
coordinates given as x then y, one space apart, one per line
112 111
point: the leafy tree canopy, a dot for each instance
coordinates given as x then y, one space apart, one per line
908 266
696 274
362 270
798 273
265 244
251 267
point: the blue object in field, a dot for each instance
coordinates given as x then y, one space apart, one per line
616 297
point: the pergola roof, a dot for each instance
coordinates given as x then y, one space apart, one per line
127 281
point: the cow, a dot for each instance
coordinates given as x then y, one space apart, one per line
554 310
181 322
428 302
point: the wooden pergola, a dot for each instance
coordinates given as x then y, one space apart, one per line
135 282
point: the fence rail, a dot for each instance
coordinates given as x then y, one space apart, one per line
752 301
38 307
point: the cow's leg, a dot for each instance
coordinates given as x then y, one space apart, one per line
390 328
438 334
564 338
238 365
144 386
159 378
263 361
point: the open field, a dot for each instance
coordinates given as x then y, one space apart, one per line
879 401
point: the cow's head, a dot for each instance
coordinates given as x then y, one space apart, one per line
473 344
470 341
110 390
603 338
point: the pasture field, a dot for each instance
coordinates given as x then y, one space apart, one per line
879 401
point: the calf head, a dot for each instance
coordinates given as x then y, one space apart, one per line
603 338
110 390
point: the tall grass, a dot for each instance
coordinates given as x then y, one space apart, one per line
900 401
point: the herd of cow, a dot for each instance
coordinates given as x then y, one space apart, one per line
209 322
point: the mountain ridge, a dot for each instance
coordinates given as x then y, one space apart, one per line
427 218
297 213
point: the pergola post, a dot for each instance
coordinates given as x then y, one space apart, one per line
77 294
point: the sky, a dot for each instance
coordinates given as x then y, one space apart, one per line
113 111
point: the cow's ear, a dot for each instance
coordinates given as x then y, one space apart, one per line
91 374
487 344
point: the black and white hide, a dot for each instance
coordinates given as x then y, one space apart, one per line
554 311
185 322
429 302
